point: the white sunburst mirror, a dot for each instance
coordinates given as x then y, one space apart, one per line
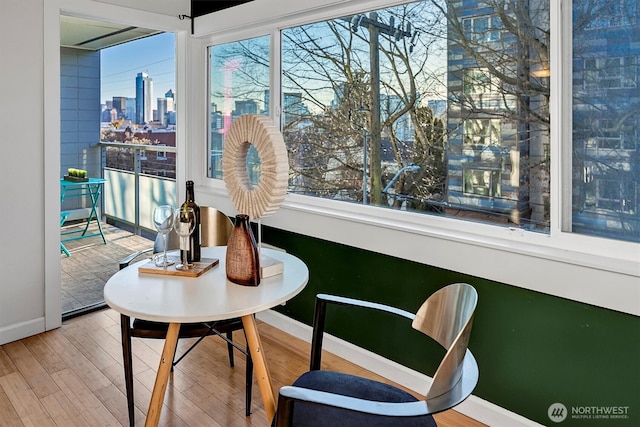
265 198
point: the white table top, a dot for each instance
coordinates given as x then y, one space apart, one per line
209 297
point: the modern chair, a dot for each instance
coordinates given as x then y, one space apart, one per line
216 228
326 398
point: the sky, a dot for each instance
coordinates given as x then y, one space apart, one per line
119 66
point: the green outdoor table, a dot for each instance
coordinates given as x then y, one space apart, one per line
72 189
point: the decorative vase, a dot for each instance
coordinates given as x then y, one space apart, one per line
243 259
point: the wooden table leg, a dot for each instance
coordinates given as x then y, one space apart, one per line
260 366
162 377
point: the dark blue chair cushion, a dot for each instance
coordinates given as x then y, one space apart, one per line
312 415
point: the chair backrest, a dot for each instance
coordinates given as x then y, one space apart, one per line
215 229
447 317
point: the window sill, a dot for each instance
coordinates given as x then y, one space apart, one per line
591 270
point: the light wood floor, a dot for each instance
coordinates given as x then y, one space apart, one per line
73 376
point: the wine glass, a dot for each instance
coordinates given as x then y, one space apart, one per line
184 223
163 220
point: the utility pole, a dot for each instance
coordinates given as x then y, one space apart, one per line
375 129
376 28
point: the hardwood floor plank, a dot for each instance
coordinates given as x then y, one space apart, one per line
214 386
84 400
115 401
6 364
8 414
87 342
24 401
31 370
103 338
60 342
49 360
62 410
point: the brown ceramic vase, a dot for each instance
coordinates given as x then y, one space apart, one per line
243 259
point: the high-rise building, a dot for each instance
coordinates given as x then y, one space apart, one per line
606 95
144 97
166 109
120 104
130 112
294 108
162 110
244 107
497 132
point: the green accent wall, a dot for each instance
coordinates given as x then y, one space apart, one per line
532 349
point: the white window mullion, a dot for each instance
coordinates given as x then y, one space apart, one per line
561 116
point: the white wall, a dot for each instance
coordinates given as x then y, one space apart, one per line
30 161
21 168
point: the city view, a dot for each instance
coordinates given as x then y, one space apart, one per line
136 109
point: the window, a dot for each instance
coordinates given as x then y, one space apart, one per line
608 134
605 121
482 182
239 85
610 73
607 13
477 81
423 106
392 138
161 155
482 28
615 195
482 131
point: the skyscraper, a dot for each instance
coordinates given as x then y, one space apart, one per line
144 97
120 104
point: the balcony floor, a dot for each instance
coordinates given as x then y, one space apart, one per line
92 262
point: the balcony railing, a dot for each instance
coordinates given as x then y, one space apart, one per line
130 193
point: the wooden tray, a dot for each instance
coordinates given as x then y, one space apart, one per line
205 264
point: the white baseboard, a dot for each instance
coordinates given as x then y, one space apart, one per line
21 330
474 407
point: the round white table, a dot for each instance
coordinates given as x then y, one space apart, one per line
209 297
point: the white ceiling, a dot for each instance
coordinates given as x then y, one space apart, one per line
87 34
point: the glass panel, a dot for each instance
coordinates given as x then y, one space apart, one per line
477 81
377 109
482 131
482 182
606 40
239 85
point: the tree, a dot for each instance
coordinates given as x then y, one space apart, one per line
334 57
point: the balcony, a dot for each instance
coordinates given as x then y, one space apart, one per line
127 202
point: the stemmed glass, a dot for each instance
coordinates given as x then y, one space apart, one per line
163 220
184 223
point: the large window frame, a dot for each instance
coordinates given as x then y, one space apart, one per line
560 255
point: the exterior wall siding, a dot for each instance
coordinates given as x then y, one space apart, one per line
79 115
